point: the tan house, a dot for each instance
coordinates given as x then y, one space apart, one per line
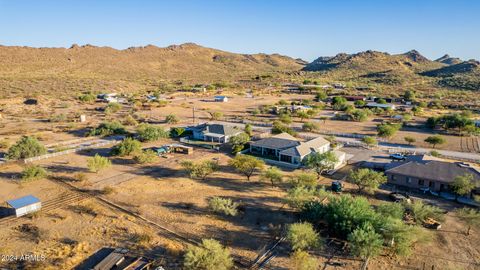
286 148
433 174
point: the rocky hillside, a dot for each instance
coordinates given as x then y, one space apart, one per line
403 70
84 67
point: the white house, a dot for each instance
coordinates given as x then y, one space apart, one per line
25 205
214 132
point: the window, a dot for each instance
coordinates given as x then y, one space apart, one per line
392 177
421 182
409 180
431 184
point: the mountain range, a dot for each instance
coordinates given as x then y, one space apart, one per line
33 70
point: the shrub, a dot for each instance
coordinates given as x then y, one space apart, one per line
200 170
435 140
147 133
421 212
171 119
147 156
33 172
279 127
365 242
26 147
310 126
366 179
127 147
210 255
273 174
246 165
216 115
369 141
393 210
130 121
113 107
223 206
80 177
304 179
107 129
301 260
387 130
238 142
87 97
302 236
97 163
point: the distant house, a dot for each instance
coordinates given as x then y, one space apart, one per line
381 106
221 99
120 259
25 205
286 148
338 85
291 108
355 98
433 174
214 132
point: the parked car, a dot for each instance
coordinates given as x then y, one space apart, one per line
337 186
398 156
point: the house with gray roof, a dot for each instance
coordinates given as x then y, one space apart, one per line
433 174
286 148
214 132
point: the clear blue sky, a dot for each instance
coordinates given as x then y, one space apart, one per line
297 28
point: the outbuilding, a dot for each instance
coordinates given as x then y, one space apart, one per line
25 205
221 99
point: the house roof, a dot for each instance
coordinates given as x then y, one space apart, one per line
23 201
434 170
221 129
306 148
279 141
220 97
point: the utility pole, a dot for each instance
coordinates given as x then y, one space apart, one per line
193 115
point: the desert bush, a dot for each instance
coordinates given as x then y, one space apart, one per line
87 97
113 107
210 255
107 129
310 126
26 147
147 156
97 163
171 119
130 121
302 236
200 170
127 147
147 133
421 212
223 205
80 177
33 172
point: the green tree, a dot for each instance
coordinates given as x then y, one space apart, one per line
87 97
409 95
339 103
304 179
359 115
391 209
33 172
26 147
98 163
360 103
463 185
410 140
200 170
421 212
435 140
298 196
369 141
301 260
365 242
302 236
210 255
321 96
127 147
279 127
381 101
171 119
303 115
285 118
321 162
113 107
148 133
273 175
470 216
223 205
246 165
366 179
238 142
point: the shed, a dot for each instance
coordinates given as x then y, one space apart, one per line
25 205
221 99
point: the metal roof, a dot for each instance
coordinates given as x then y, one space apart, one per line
23 201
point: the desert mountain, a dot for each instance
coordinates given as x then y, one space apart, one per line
446 59
97 67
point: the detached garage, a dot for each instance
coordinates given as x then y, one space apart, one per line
25 205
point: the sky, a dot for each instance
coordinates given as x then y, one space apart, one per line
297 28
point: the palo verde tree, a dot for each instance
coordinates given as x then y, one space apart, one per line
246 165
238 142
200 170
365 242
147 133
98 163
369 141
387 130
463 185
302 236
321 162
435 140
171 119
366 179
410 140
26 147
470 216
273 175
210 255
127 147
